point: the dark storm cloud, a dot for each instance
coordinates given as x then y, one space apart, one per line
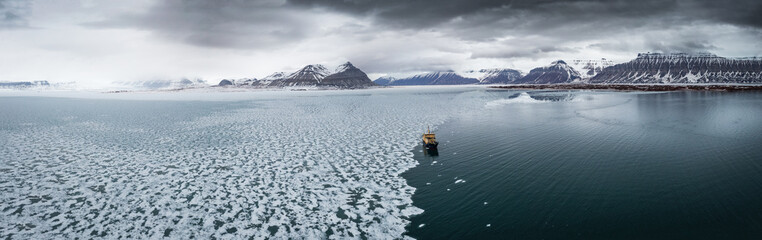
739 12
682 45
521 52
223 23
421 14
13 14
253 24
430 13
558 21
405 13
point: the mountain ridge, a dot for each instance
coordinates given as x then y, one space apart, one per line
557 72
682 68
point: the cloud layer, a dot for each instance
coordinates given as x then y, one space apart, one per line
393 36
13 14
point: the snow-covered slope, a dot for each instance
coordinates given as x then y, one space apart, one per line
682 68
347 76
590 68
435 78
499 76
242 82
310 75
163 84
24 85
556 72
271 80
385 80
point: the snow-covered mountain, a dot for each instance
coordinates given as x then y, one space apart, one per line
435 78
310 75
316 75
590 68
23 85
248 82
271 80
556 72
498 76
682 68
347 76
163 84
385 80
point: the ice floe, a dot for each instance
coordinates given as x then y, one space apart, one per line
312 165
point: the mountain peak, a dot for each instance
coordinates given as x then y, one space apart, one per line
309 75
314 68
557 72
499 75
431 78
344 67
275 76
347 76
312 71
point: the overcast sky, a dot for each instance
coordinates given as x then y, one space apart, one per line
102 41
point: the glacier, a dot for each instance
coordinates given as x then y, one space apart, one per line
315 164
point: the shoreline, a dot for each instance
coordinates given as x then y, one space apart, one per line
634 87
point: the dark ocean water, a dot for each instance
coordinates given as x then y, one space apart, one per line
679 165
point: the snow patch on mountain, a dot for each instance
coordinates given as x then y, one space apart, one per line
590 68
162 84
557 72
498 76
682 68
434 78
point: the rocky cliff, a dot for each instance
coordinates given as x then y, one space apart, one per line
682 68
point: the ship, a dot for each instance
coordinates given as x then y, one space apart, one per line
430 140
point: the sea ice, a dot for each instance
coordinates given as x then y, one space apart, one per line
287 165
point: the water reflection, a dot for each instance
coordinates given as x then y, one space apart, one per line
552 96
676 164
430 152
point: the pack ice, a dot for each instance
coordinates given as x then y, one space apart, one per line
306 165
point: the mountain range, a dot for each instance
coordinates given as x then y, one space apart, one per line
435 78
163 84
646 68
24 84
556 72
345 76
682 68
589 68
652 68
498 76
